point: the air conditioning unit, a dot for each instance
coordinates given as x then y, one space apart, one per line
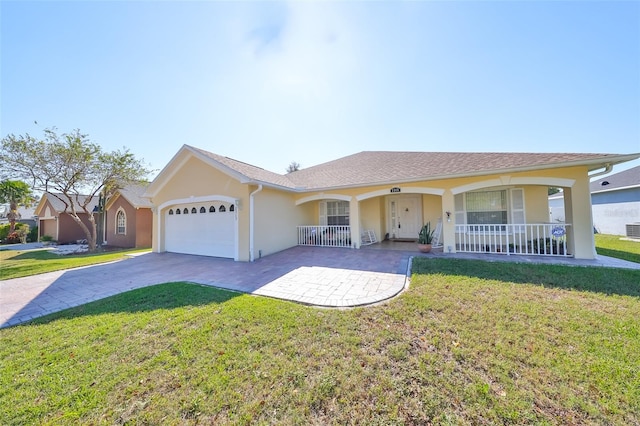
633 230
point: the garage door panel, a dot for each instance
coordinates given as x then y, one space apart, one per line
207 234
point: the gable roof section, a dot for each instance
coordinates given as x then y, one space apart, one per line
243 172
622 180
59 206
247 171
133 194
385 167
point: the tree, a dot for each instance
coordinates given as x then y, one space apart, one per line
293 167
14 192
553 190
71 168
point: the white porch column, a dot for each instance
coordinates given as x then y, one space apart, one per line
354 222
448 227
577 204
156 231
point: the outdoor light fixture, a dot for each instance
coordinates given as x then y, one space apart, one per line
448 216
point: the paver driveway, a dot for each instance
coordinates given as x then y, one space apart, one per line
313 275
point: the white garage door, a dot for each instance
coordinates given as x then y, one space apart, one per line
206 229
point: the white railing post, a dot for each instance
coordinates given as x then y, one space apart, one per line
537 239
324 236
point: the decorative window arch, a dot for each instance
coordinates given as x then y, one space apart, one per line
222 209
193 210
121 222
185 211
203 210
232 208
170 211
212 209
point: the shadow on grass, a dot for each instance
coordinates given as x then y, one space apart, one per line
609 281
146 299
43 254
618 254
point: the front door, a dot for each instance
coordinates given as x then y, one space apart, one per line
405 214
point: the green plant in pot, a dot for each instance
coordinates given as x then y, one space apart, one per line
425 238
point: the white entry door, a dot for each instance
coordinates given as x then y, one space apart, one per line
405 214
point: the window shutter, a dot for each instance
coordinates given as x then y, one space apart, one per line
459 205
323 213
517 206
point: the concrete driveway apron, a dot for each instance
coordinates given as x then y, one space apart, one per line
331 277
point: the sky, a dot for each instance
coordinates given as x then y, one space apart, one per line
269 83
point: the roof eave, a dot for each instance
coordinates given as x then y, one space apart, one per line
592 164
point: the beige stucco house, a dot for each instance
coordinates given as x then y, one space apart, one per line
211 205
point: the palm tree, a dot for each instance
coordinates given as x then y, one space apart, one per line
14 192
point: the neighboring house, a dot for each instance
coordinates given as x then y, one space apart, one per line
556 207
25 215
128 218
616 201
208 204
56 222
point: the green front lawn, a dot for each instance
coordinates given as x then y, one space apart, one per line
16 264
619 247
470 342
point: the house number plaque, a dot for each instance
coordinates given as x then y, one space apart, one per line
395 189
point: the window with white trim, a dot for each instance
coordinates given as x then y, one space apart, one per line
487 208
121 222
337 213
495 207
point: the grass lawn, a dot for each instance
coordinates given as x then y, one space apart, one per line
470 342
615 246
16 264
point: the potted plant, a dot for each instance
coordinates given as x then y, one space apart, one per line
425 237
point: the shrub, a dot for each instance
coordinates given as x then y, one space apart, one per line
4 230
547 246
32 237
46 238
14 238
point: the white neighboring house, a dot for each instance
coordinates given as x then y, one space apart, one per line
556 207
615 201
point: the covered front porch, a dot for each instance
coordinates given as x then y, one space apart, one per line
481 219
505 215
533 239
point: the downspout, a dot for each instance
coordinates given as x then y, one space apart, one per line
607 168
251 221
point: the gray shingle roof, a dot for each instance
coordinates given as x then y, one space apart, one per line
372 167
384 167
59 206
624 179
133 194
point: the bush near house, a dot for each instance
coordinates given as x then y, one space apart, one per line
22 229
32 236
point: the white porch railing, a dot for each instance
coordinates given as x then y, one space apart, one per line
326 236
537 239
